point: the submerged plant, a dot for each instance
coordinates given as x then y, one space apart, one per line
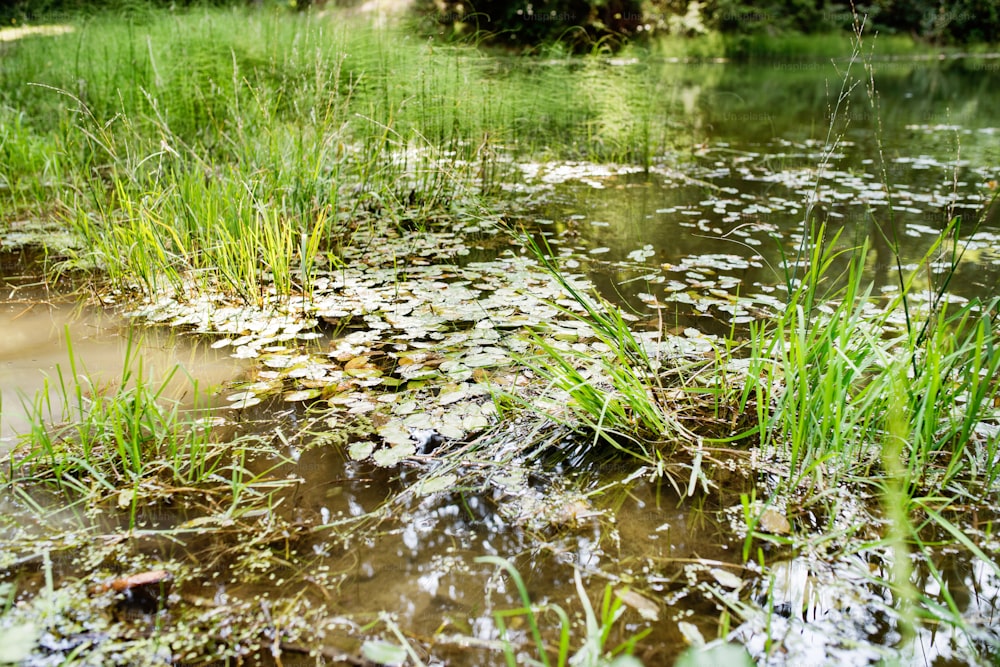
593 652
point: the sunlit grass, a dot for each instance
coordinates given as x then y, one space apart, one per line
129 442
241 146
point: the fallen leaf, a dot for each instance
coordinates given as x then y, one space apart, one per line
357 362
647 609
774 522
725 578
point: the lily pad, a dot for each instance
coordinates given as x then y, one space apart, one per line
435 484
246 402
392 456
395 433
301 395
359 451
692 635
452 393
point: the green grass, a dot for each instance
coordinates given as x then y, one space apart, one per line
823 46
593 650
241 146
822 380
629 409
843 391
128 441
891 398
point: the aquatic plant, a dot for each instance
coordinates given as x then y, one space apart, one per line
213 150
893 396
625 402
592 652
129 442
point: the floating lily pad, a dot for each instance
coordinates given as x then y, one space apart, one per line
300 395
452 430
395 433
405 408
452 393
435 484
359 451
249 401
392 456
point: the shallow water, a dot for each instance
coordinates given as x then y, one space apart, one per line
35 319
760 160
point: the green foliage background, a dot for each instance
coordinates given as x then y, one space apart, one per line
582 25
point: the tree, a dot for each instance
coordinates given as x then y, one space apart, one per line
523 24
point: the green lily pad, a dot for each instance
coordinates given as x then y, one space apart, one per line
395 433
435 484
301 395
392 456
452 393
359 451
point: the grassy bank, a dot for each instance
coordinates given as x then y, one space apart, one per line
235 143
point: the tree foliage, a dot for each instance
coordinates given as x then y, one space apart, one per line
588 24
522 24
581 23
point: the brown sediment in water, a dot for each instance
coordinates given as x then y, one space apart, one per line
37 316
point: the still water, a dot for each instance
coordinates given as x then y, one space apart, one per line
41 322
764 154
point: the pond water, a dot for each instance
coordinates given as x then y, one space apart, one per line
682 236
769 154
36 316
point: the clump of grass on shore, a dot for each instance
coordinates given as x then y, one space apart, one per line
242 145
821 379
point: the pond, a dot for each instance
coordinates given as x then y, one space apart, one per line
345 553
772 154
